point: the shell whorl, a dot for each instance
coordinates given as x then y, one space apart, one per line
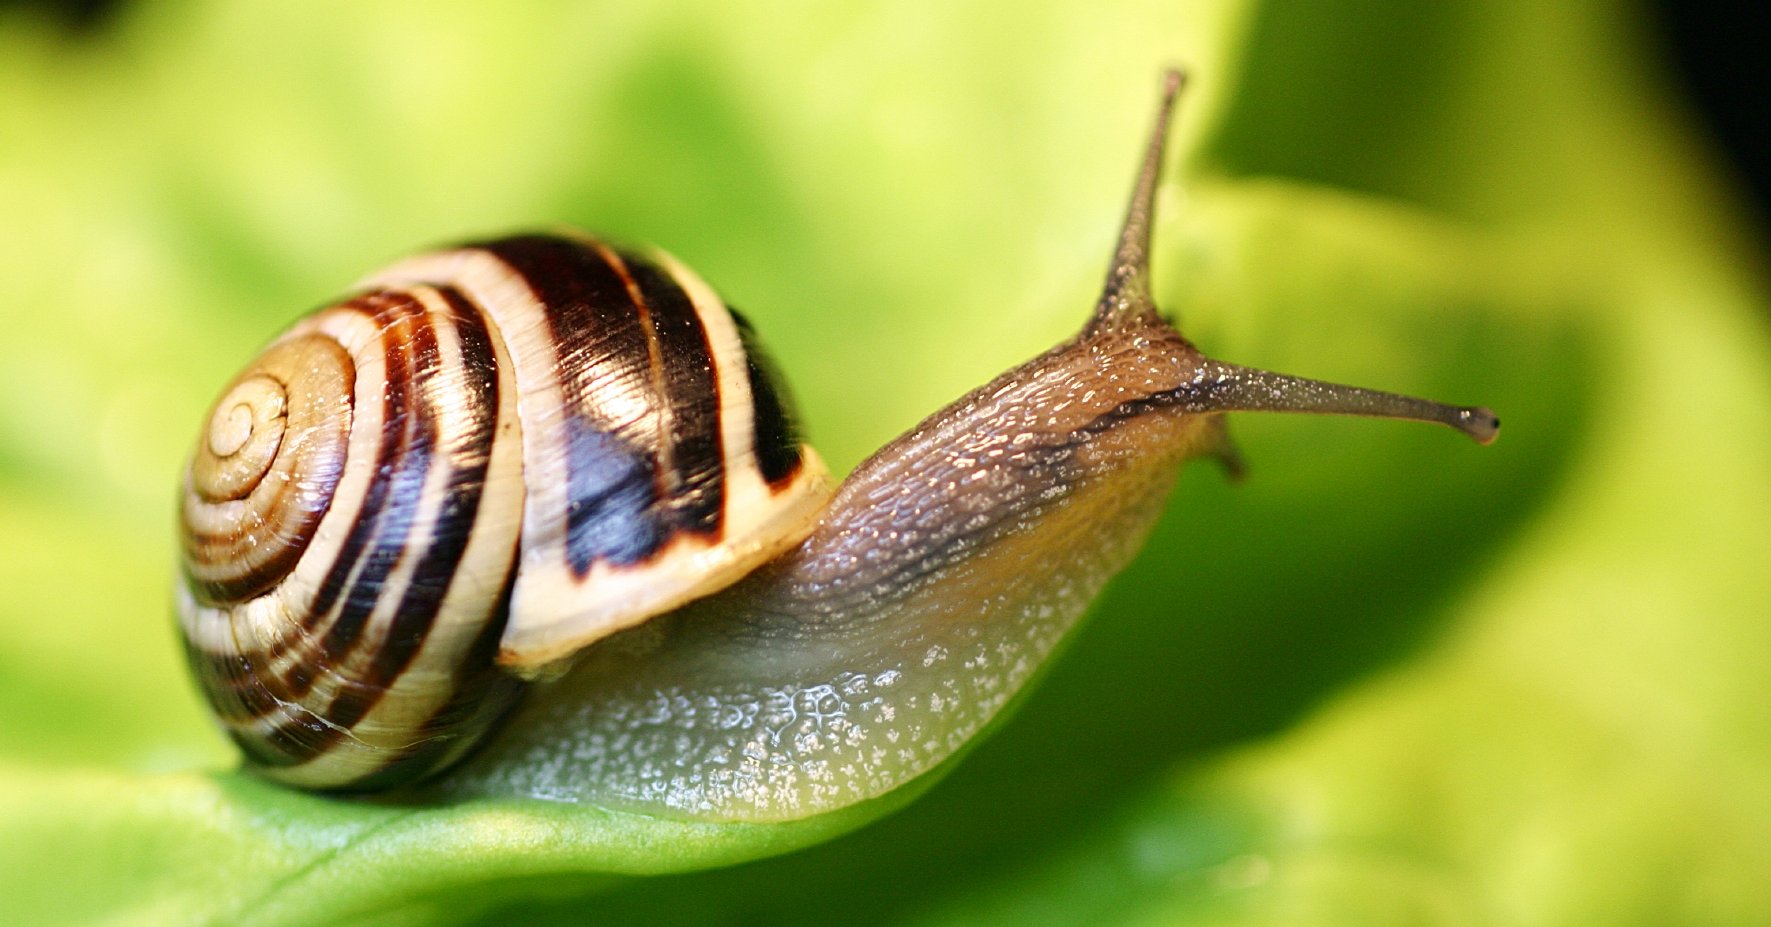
491 455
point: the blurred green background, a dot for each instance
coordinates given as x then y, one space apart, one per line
1391 679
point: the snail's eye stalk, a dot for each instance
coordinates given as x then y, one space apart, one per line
1126 298
1221 387
1126 303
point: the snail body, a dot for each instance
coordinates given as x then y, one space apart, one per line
498 459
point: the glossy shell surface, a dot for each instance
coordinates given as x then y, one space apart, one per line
485 460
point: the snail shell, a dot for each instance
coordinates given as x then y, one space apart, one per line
514 448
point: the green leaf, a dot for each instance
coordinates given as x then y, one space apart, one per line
1390 679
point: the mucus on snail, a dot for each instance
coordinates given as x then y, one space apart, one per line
420 501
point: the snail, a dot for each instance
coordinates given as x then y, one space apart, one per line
499 460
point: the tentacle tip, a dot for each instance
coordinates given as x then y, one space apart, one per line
1172 79
1479 422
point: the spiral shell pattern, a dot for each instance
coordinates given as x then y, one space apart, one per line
486 460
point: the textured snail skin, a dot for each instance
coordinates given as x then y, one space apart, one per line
466 477
948 567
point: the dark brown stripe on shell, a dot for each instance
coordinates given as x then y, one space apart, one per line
234 683
237 692
374 505
604 351
695 466
774 428
289 744
292 743
447 539
480 697
402 465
